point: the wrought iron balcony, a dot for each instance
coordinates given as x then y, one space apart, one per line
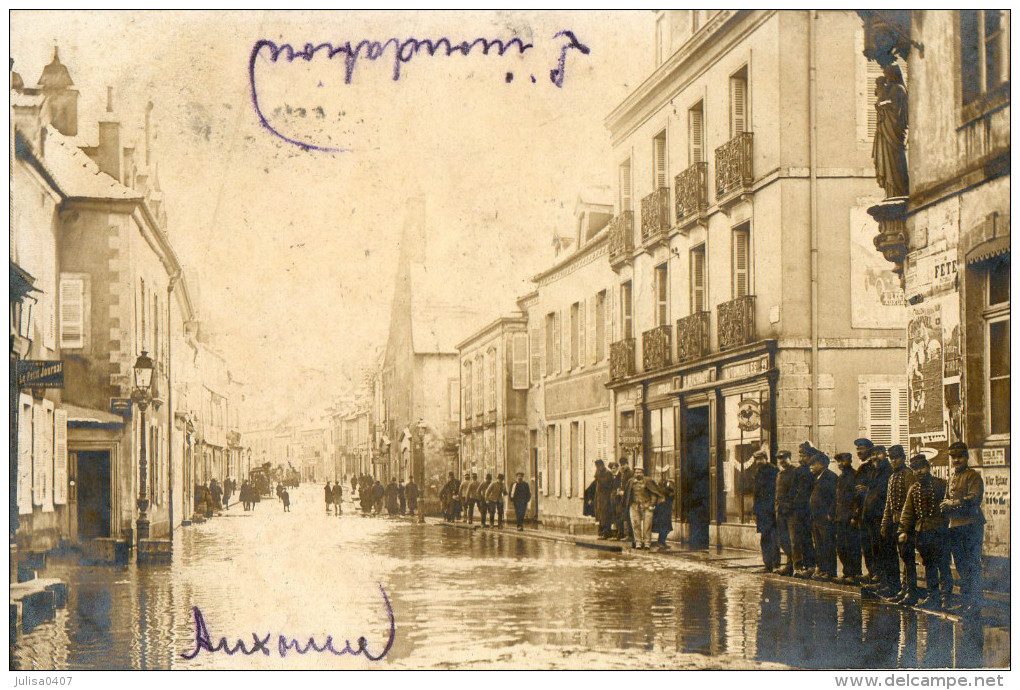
733 166
692 337
691 194
622 359
736 323
657 348
655 217
621 239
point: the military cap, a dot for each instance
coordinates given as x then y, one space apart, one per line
958 448
876 449
819 457
759 454
919 461
844 456
896 451
805 446
783 454
599 462
863 443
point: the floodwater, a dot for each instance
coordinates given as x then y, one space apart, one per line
461 600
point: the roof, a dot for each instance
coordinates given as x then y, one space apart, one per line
76 174
83 416
441 311
26 100
55 74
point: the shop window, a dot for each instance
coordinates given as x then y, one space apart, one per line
746 424
661 442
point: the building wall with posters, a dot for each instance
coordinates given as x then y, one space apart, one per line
749 308
957 262
493 409
568 317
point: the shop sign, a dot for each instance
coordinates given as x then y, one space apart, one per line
660 389
630 437
743 369
993 457
749 415
40 373
121 406
702 377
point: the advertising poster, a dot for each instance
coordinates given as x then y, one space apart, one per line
876 296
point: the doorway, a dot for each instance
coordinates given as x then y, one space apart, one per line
695 500
93 490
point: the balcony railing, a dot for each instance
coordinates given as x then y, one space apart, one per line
736 323
733 166
621 239
657 348
692 337
622 359
655 216
691 194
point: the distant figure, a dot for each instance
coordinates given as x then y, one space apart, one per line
480 496
279 491
603 499
285 497
378 494
338 497
392 496
411 492
765 510
494 494
401 496
470 490
520 495
228 491
217 494
662 514
328 491
446 495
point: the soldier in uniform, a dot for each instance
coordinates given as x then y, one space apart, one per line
886 563
470 501
784 504
848 528
800 515
625 526
922 520
966 528
765 510
822 507
864 471
899 483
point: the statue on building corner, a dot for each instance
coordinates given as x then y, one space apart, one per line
889 148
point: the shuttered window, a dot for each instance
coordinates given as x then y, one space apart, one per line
479 385
625 187
582 320
490 360
887 415
519 371
454 400
575 335
627 309
72 312
659 160
741 261
25 440
536 355
662 295
551 351
696 134
698 279
60 457
600 326
467 390
738 103
596 337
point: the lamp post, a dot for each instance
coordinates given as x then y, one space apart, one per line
418 462
142 396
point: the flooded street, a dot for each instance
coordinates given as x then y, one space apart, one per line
463 599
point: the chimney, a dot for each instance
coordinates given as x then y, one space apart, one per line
109 154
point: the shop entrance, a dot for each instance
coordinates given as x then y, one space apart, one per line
695 483
93 490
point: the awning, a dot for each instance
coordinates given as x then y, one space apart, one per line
85 417
989 249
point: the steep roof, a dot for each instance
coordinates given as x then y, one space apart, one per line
55 74
77 175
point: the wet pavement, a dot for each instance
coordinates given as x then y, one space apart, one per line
462 599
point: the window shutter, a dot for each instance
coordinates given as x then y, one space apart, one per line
563 334
659 153
38 477
880 416
49 323
60 457
520 362
543 354
582 340
738 106
536 354
903 416
698 280
696 123
740 263
25 438
607 304
625 190
592 351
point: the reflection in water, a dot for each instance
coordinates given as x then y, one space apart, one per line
471 599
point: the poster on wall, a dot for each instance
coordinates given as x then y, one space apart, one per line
876 296
996 511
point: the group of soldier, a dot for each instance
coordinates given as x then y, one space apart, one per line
629 506
396 497
462 496
887 511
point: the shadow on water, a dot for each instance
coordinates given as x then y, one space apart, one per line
490 598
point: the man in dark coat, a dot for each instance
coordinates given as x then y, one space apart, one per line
822 507
900 480
662 514
392 497
966 528
411 492
603 499
378 495
800 515
864 472
922 518
480 496
328 491
338 498
520 495
446 495
615 500
402 497
626 529
848 530
765 510
784 505
886 562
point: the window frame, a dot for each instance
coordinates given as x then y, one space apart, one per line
742 230
992 314
741 76
698 250
627 309
661 274
701 149
625 174
660 153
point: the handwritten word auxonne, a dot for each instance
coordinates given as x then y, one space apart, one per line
285 643
400 52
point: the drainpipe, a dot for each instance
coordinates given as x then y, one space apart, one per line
169 381
813 152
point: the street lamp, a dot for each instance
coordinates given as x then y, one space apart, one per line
142 396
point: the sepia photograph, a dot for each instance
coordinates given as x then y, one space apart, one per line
510 340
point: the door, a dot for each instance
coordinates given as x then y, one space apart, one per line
93 489
695 488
